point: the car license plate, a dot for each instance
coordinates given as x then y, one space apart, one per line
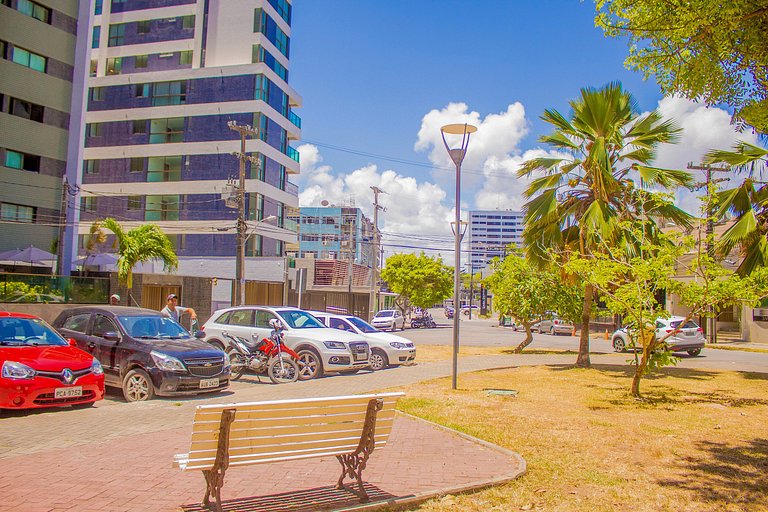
209 383
360 357
68 392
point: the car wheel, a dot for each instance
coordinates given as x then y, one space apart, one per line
378 359
217 345
137 386
618 344
694 352
238 364
310 364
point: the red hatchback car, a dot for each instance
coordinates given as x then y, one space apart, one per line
39 368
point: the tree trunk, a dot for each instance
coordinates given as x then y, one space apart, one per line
582 361
527 341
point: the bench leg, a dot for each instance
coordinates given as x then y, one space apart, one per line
214 480
353 464
214 477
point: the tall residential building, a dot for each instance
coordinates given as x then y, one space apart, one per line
166 77
334 233
37 46
490 234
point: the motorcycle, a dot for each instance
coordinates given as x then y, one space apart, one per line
449 313
424 320
269 355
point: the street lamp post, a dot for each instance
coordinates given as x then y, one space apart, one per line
457 156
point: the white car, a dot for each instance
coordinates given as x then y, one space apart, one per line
689 337
386 349
389 320
321 350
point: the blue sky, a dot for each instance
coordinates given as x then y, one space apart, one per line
380 77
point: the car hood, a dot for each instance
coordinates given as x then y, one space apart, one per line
189 347
382 319
385 337
323 334
49 359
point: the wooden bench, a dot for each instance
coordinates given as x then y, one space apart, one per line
349 427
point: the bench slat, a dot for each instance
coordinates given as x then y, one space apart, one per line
290 412
300 402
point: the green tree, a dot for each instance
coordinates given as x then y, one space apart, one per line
581 199
747 203
419 280
527 292
144 243
702 49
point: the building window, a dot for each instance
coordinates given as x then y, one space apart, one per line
169 93
282 42
29 59
139 126
262 88
281 177
91 166
142 27
98 6
141 61
134 202
114 66
162 131
280 215
258 168
25 109
93 130
94 68
90 204
259 21
34 10
162 208
97 94
137 164
188 21
164 168
17 213
255 206
185 57
96 36
141 91
116 34
22 161
283 8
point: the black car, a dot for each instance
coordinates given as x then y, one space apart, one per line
144 353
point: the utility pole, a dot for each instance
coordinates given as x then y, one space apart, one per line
374 303
67 191
244 131
710 229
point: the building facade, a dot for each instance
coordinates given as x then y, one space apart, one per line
38 42
335 233
165 80
491 232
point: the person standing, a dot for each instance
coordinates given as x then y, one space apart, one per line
114 300
173 310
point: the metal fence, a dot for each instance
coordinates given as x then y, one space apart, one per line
46 289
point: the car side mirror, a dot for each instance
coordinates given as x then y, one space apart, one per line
111 336
72 342
200 334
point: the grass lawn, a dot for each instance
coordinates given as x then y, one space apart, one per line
698 443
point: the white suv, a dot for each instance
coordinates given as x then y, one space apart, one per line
321 350
386 349
389 319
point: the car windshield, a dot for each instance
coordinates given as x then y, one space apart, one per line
28 331
383 314
690 324
361 324
153 327
297 319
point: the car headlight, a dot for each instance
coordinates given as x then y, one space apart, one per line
397 344
13 370
96 368
166 362
336 345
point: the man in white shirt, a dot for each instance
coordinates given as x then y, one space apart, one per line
173 310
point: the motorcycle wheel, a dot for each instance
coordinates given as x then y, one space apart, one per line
283 370
238 364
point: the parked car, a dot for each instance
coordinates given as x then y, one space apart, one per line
554 325
321 350
689 337
475 310
144 353
386 349
389 320
42 369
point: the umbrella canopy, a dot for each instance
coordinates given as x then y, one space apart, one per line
32 255
8 255
98 259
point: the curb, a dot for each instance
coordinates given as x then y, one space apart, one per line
415 499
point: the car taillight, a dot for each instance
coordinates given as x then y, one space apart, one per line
557 322
669 330
700 330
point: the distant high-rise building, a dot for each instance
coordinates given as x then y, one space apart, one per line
491 232
334 233
165 79
37 49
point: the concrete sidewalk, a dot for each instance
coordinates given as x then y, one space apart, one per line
133 473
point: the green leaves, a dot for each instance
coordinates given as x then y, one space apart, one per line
422 280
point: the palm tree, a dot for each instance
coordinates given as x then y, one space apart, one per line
144 243
748 203
580 202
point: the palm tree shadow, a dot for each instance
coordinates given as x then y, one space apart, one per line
726 473
319 498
